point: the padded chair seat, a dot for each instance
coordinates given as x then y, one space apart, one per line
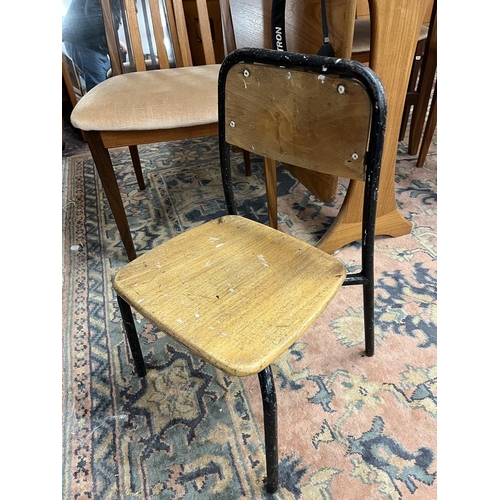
361 40
151 100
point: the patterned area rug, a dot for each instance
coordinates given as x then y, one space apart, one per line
350 427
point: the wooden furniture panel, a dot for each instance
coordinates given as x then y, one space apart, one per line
362 9
194 33
72 87
294 139
251 23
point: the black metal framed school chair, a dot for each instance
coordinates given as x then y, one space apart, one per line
192 287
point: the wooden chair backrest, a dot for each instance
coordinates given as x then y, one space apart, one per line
251 24
315 121
72 82
151 25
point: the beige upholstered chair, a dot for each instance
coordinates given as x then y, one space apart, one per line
144 107
192 287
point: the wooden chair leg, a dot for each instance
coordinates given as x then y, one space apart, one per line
133 339
246 159
430 127
248 165
411 98
270 427
136 162
104 167
425 84
271 191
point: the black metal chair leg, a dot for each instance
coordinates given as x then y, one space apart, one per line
369 311
133 339
270 427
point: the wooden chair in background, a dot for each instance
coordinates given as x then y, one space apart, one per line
144 107
421 100
209 271
430 128
73 87
422 77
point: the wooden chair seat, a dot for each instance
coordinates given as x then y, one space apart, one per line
151 100
227 291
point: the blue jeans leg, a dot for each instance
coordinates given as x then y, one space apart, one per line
93 64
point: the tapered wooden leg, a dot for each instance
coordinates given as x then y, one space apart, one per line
271 191
248 165
426 82
430 127
246 159
136 162
411 96
106 172
270 427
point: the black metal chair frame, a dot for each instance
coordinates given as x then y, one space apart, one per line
374 89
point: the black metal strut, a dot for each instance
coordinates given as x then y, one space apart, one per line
270 427
133 339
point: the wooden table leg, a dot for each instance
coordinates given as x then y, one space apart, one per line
429 130
271 191
106 172
394 30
